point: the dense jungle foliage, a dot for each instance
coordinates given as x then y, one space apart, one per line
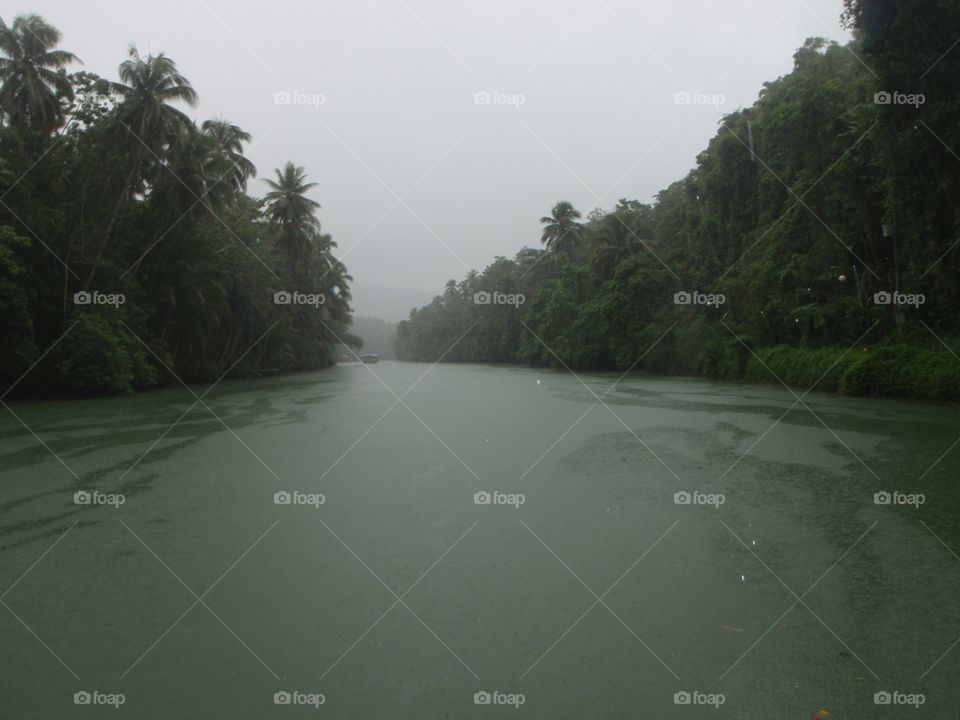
814 242
131 254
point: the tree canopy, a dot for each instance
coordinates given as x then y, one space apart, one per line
131 254
818 231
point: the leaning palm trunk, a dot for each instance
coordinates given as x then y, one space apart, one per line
122 200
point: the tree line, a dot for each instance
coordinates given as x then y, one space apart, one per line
131 253
817 239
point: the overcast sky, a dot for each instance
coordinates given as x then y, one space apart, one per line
419 182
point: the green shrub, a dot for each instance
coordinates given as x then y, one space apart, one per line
100 355
888 371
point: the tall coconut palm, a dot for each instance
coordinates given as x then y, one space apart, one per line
561 230
150 123
33 81
293 215
230 140
149 85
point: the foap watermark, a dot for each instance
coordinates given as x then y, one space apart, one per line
695 697
498 298
97 98
714 500
498 498
495 697
496 97
885 97
299 498
696 297
314 100
296 697
697 97
95 697
895 697
96 297
914 300
95 497
283 297
899 498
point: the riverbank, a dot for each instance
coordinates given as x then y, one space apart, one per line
884 371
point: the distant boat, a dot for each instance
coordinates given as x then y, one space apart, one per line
370 358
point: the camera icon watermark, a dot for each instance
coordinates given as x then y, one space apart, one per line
298 498
95 497
283 297
496 497
498 298
96 697
895 497
714 500
914 300
495 97
885 97
495 697
695 697
314 100
96 297
296 697
683 297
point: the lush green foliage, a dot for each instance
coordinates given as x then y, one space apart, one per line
110 189
841 197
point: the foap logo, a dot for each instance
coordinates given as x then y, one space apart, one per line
298 498
95 497
498 298
698 298
298 298
914 300
696 97
98 298
495 697
899 98
296 697
486 97
714 500
899 498
95 697
95 98
695 697
895 697
498 498
314 100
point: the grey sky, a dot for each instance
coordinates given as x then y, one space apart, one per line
399 78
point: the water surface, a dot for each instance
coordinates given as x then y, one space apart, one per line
401 597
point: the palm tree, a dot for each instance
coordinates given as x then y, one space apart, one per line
561 230
230 139
149 84
33 81
618 235
148 87
292 213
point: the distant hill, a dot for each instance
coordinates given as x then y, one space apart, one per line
379 336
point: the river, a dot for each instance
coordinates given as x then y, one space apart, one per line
180 584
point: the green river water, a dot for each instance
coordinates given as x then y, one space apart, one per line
400 596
